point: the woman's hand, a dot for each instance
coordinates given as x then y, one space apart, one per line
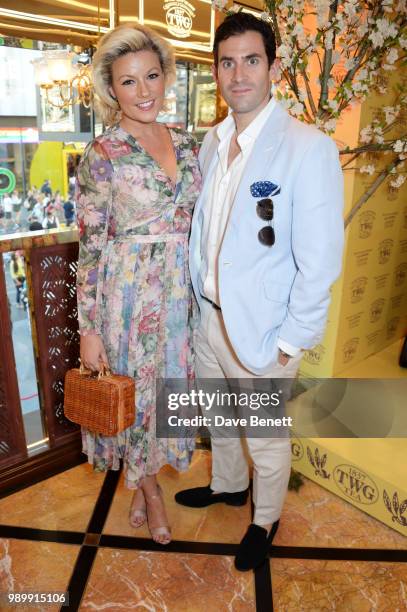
93 354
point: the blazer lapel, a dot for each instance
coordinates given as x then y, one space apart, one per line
207 164
207 168
264 151
257 168
262 155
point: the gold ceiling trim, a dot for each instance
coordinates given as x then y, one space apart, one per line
46 32
60 26
76 25
87 7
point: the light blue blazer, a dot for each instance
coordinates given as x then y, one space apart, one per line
283 291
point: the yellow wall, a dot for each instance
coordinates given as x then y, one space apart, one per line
47 163
369 301
50 162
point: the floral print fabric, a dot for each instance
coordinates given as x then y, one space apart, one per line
133 285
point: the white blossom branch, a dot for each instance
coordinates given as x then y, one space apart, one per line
371 190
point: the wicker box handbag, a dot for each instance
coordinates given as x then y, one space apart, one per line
102 403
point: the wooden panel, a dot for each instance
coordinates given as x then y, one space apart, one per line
41 466
12 440
53 271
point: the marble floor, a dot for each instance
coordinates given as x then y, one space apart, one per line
70 533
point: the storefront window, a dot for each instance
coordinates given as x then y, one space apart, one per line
191 101
202 100
16 156
53 118
175 110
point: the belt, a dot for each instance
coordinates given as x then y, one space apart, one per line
148 238
213 304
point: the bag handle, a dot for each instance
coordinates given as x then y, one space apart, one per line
103 372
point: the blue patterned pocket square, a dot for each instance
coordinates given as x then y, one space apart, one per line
263 189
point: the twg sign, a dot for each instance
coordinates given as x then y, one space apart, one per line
355 484
179 15
186 24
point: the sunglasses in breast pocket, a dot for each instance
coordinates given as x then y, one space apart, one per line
265 210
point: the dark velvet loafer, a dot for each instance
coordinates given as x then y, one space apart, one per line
254 548
200 497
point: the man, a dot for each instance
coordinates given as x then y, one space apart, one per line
8 206
266 245
69 212
46 188
17 203
34 223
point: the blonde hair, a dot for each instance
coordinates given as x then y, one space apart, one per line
126 38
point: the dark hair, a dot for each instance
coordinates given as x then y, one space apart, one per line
239 23
15 262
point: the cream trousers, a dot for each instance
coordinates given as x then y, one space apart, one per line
271 457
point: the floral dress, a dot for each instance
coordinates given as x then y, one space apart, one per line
133 285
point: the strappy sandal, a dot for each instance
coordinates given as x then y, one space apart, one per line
137 516
160 534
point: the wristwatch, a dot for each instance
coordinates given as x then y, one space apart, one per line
284 354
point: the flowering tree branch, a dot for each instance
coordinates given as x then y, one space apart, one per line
355 44
328 56
370 148
370 191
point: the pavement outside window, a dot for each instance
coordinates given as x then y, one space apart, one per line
24 360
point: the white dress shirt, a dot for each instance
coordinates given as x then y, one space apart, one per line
8 204
221 195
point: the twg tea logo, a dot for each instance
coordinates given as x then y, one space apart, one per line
338 71
315 355
179 15
297 449
366 221
392 326
385 250
381 82
349 349
396 508
392 192
376 310
400 274
355 484
357 289
318 462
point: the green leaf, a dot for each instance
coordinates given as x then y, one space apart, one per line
386 500
296 481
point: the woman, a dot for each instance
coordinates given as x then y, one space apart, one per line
17 273
50 221
136 187
17 203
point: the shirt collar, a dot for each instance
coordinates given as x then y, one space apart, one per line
226 128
